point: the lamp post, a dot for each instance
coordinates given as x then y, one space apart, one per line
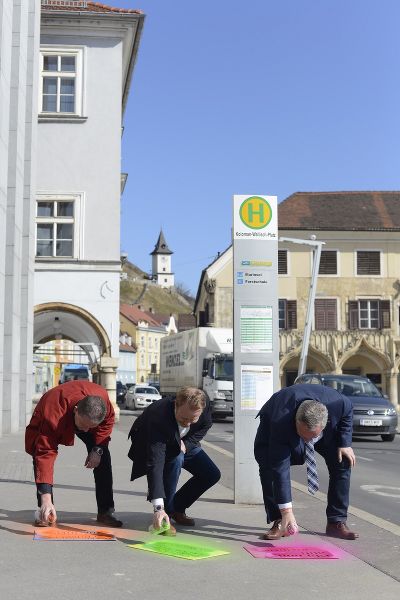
317 248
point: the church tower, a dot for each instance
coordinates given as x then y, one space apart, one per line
161 263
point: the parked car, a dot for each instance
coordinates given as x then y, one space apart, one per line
141 396
373 414
121 391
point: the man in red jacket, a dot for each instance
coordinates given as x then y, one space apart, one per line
77 408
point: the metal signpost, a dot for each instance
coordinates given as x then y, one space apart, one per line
255 329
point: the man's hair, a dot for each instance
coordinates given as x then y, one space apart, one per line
192 397
313 414
92 407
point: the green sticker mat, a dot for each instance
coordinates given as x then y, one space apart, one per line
179 549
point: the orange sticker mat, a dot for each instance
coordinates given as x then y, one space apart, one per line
57 534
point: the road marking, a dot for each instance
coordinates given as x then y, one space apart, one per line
363 458
376 489
218 449
352 510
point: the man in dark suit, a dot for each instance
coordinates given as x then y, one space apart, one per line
166 438
289 421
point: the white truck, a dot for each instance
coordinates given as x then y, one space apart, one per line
200 358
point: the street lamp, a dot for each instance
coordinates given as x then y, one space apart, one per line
317 248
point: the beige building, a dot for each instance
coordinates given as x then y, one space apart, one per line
146 332
356 320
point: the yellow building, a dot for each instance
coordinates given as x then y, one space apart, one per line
356 321
146 332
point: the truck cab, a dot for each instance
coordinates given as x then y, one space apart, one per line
218 383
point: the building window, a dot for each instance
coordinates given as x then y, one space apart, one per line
328 262
325 314
142 341
368 262
150 342
287 314
369 314
61 81
55 224
282 262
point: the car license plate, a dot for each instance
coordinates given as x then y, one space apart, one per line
371 422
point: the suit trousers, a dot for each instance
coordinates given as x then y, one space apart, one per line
102 475
204 472
338 490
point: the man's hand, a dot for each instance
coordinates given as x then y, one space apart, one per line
93 460
348 453
47 511
183 447
158 517
289 525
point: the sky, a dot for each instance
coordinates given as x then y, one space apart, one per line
263 97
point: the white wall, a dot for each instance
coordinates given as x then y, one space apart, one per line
19 30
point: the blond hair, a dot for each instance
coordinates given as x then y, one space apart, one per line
192 397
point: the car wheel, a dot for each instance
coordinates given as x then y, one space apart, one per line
388 437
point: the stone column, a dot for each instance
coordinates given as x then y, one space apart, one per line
393 389
105 374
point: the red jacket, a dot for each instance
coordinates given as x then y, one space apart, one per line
52 423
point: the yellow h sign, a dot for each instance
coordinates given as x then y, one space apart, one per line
255 212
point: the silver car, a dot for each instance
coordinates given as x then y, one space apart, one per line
373 414
140 396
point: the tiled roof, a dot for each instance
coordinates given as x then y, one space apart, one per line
347 211
126 348
134 314
186 322
84 6
162 319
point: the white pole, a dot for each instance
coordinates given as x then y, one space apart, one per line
310 308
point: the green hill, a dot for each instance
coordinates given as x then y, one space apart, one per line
138 288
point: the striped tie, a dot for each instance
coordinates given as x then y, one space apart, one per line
312 475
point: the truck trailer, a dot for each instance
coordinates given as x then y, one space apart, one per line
201 358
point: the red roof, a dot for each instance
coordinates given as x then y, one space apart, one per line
134 314
346 211
84 6
126 348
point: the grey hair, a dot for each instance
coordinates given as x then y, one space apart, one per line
312 414
92 407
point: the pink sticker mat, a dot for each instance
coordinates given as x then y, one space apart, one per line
292 552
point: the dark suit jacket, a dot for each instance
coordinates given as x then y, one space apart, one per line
278 445
155 440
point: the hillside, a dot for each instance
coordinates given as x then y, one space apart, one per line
137 288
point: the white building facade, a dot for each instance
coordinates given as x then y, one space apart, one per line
19 43
87 55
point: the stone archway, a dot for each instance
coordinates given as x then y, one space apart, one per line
58 320
317 362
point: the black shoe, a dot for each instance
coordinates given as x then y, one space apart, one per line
108 518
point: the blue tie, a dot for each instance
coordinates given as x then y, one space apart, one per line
312 475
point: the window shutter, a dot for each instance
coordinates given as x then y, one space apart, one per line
368 262
384 314
325 314
282 262
353 314
291 307
328 262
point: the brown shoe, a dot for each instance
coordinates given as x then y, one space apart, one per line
169 532
341 531
182 519
275 533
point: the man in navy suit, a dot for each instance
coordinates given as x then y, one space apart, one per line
166 439
286 425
